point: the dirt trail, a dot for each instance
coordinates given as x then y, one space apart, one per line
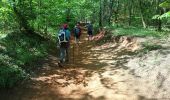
95 72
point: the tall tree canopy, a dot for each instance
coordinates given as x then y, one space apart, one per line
46 15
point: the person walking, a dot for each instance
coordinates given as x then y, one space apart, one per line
77 33
90 31
64 42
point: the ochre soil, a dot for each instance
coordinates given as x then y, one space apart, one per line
96 71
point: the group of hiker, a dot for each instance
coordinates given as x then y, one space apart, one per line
64 36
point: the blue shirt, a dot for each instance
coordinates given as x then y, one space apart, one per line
68 34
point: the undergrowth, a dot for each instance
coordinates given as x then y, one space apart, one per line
17 50
148 47
139 32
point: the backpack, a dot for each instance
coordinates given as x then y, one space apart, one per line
90 27
77 31
62 36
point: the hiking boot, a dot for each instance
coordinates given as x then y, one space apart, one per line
60 63
67 61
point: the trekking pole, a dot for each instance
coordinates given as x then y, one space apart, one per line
78 51
73 53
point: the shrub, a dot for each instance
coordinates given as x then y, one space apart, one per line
18 50
9 76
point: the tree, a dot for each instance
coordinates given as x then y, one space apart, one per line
166 7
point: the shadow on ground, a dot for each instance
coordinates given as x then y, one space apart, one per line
49 81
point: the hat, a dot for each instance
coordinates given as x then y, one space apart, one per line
65 26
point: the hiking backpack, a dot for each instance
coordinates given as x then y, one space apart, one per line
62 36
90 27
77 31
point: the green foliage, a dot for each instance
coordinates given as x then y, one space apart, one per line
137 31
10 75
7 19
17 49
165 4
165 15
156 17
148 47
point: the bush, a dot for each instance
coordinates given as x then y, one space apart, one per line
17 51
150 46
147 47
9 76
137 31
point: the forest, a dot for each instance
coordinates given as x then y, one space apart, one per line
123 31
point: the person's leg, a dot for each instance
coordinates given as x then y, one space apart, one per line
91 37
67 52
88 36
79 38
62 54
67 55
75 38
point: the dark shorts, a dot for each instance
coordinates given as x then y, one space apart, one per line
90 33
64 45
77 35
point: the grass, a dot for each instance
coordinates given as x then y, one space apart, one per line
141 32
138 32
147 47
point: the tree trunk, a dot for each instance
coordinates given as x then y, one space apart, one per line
68 15
130 12
39 14
110 12
142 14
22 21
46 26
160 12
68 12
25 28
159 25
143 21
100 14
117 12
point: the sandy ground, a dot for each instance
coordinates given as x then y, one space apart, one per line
101 71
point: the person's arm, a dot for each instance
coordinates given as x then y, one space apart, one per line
69 34
92 28
80 30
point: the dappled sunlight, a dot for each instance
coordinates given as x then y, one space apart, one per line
154 69
64 77
90 74
2 48
96 71
84 50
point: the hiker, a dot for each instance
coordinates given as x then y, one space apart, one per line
64 42
90 31
77 33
